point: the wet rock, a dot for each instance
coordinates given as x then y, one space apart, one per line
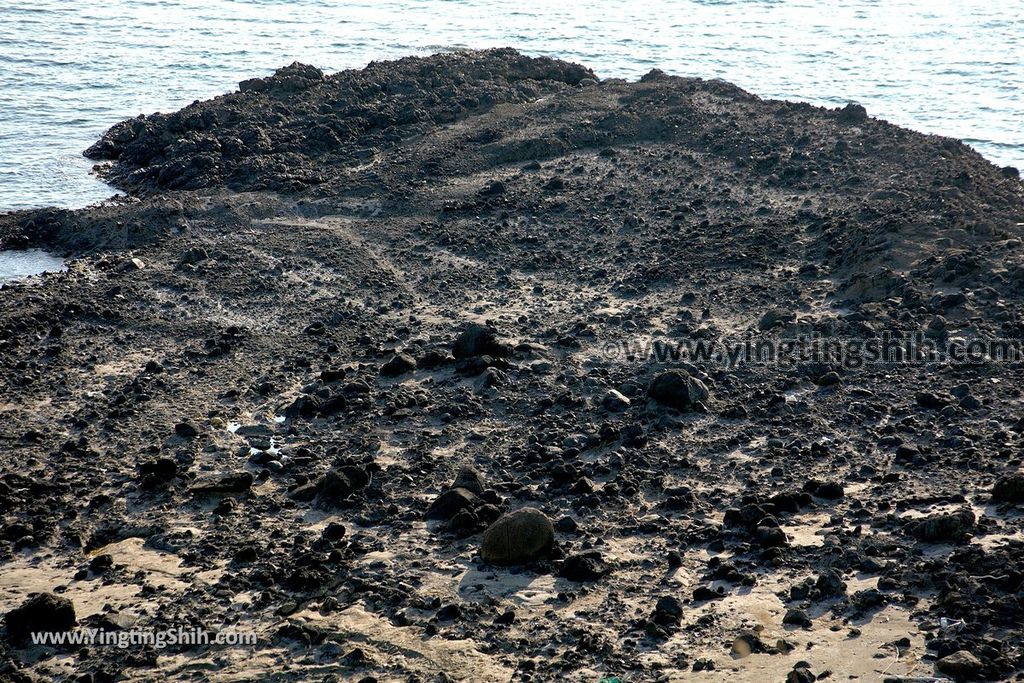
961 664
944 528
588 566
677 389
399 364
44 612
1009 488
518 537
479 340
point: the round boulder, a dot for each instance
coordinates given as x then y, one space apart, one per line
518 537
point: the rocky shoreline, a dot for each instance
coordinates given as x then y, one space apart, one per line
344 370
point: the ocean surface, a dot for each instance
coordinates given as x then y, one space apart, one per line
69 70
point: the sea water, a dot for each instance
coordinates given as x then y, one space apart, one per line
69 70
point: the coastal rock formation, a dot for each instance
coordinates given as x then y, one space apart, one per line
319 371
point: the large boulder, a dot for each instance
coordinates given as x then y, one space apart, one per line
518 537
43 613
950 527
677 389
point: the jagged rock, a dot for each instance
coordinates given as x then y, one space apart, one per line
961 664
450 503
588 566
677 389
479 340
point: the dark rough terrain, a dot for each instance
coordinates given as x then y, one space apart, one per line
342 324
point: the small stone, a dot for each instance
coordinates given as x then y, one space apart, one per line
830 490
961 664
777 317
747 644
567 524
668 611
101 563
132 265
852 113
506 619
518 537
800 674
830 584
235 482
829 379
44 612
615 401
770 537
932 401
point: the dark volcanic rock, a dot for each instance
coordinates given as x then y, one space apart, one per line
44 612
236 482
387 208
944 528
479 340
322 124
1009 488
450 503
588 566
676 388
399 364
